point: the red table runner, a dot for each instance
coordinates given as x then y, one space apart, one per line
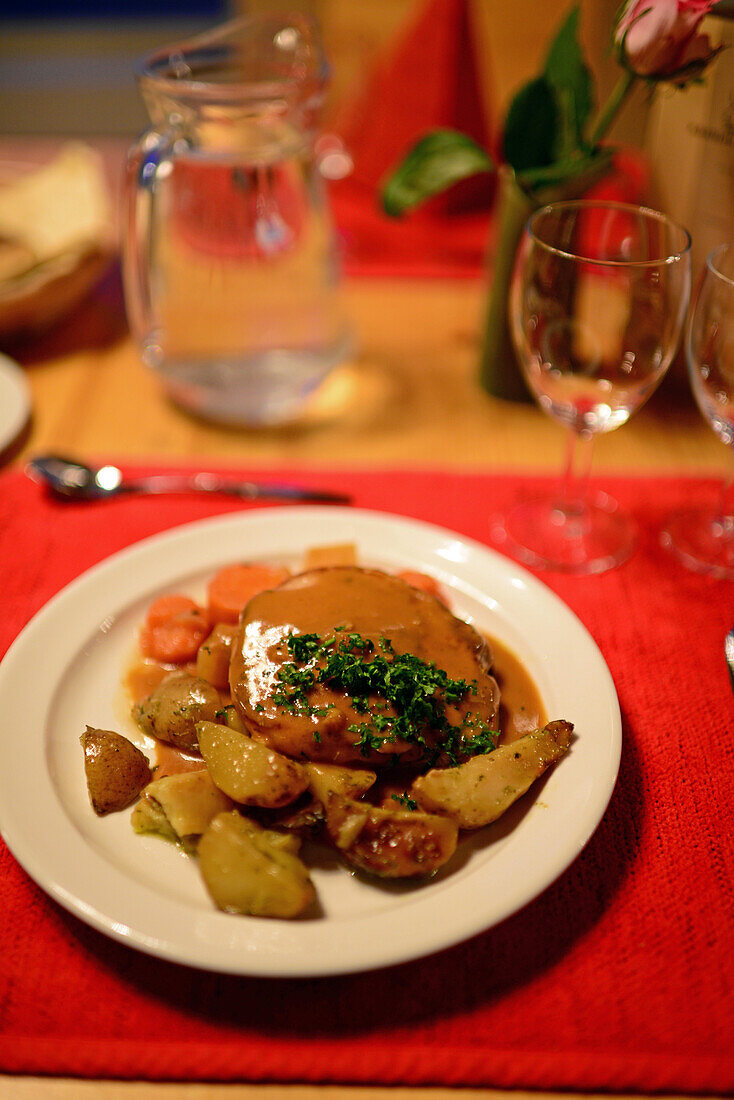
619 976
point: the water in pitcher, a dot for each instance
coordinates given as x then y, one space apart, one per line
248 319
232 278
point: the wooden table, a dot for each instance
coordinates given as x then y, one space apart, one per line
409 397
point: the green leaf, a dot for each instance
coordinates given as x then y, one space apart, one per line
530 129
571 79
437 161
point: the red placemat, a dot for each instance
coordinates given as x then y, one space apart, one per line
619 976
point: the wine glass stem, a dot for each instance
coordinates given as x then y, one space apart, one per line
574 498
725 515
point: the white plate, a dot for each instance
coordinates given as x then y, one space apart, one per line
15 401
63 672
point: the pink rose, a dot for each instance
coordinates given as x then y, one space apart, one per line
659 39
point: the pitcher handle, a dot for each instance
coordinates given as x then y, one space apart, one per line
143 163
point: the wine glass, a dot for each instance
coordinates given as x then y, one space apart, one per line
702 536
597 303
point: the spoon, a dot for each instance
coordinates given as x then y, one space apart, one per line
729 653
72 480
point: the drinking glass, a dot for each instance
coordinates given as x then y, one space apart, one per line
702 536
597 303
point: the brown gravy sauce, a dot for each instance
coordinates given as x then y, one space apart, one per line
521 707
141 678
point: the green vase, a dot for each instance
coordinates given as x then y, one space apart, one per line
500 374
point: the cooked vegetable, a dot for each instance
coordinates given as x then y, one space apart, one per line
212 658
230 716
172 710
478 792
326 779
179 807
340 553
424 581
235 585
116 770
248 771
174 628
306 815
149 816
166 607
389 843
248 869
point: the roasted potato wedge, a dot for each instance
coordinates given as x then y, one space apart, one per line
326 779
306 814
116 770
230 716
248 869
248 771
212 658
478 792
180 807
389 843
172 709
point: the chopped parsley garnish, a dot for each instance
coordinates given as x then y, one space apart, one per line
303 646
401 697
406 801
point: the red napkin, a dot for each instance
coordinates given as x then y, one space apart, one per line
429 77
619 976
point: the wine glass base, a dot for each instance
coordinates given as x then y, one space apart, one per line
702 541
544 535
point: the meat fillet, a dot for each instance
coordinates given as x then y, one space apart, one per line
336 602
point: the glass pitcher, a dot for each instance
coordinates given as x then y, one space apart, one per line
229 259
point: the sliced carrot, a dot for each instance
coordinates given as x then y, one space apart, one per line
177 639
234 586
422 581
164 608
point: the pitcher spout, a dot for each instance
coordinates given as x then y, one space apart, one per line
265 62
